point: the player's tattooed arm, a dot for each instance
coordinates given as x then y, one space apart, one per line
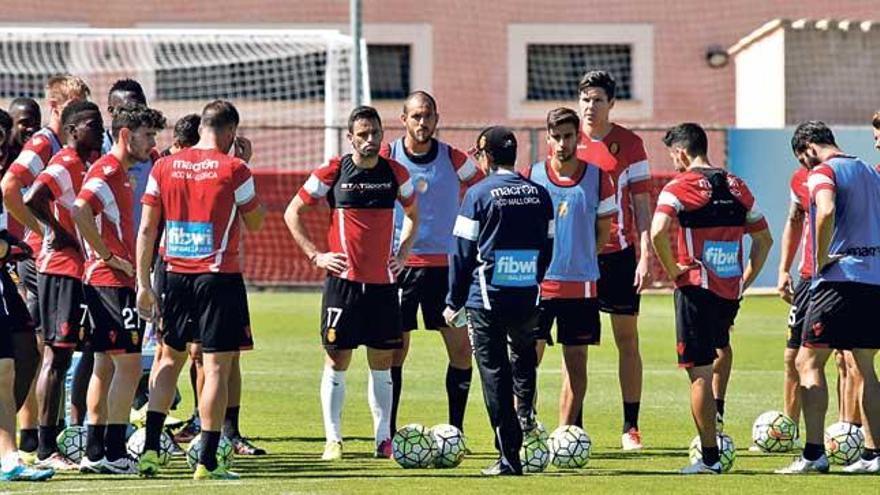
334 263
791 234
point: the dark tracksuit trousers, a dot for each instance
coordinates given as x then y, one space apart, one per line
505 373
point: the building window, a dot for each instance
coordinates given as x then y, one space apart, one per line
545 62
554 70
390 69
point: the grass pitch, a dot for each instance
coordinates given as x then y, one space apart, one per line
282 412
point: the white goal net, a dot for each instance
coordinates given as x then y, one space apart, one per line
292 87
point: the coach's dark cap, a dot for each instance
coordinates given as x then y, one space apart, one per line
500 143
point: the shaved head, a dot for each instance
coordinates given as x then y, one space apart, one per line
419 98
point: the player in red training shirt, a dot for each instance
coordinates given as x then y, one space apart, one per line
621 154
103 215
360 304
60 90
60 262
715 210
26 116
201 196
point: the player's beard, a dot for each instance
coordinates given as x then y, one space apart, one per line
422 136
565 158
368 152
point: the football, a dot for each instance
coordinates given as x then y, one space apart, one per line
450 445
225 452
539 431
534 454
773 431
413 446
843 443
726 450
135 445
72 442
569 447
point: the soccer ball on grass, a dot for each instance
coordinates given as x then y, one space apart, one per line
225 452
413 446
135 445
72 442
843 443
726 451
570 447
450 445
773 431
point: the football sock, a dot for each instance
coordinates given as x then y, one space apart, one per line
28 440
397 385
114 442
332 400
380 392
230 422
46 441
95 442
458 386
208 455
813 451
719 406
710 455
155 423
870 454
579 419
631 415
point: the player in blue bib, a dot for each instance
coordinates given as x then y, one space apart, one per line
844 208
584 203
438 172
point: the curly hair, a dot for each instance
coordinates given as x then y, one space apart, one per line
133 117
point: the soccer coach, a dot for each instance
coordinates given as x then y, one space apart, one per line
504 242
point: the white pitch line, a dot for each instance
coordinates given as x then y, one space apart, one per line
122 487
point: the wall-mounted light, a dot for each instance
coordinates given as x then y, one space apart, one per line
717 56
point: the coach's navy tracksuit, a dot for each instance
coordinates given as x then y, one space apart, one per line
504 243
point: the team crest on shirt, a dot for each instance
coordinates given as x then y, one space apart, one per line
331 335
134 338
421 185
562 210
614 148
